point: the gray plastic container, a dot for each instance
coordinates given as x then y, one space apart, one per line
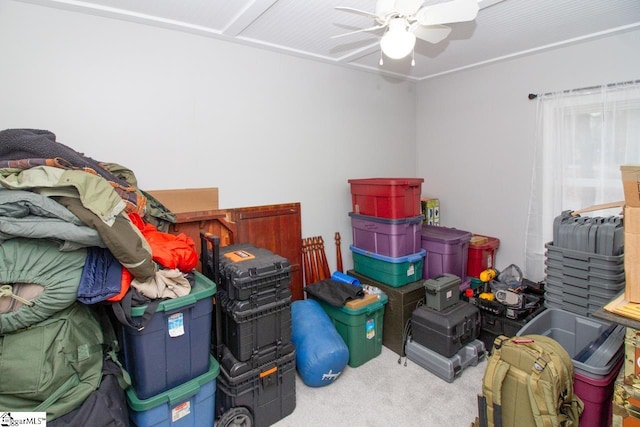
575 333
442 291
584 260
447 368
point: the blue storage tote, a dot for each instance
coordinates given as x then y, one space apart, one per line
190 404
447 251
388 237
175 344
390 271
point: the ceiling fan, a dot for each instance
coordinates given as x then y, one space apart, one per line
407 20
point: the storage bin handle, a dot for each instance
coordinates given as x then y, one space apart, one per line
609 205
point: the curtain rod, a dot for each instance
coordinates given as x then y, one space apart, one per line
535 95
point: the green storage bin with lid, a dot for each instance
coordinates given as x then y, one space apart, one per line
189 404
360 328
391 271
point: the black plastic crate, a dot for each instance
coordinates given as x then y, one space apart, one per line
264 385
493 325
247 328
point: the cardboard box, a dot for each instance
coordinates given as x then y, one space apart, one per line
188 199
631 184
430 208
632 267
632 219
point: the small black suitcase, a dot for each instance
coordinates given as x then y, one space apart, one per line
447 331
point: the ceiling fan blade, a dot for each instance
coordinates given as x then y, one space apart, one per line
357 11
449 12
432 33
377 27
408 7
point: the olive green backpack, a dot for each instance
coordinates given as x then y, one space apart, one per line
528 382
53 365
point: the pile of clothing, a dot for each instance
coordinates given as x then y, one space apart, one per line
77 237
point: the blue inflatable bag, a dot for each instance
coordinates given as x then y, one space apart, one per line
321 353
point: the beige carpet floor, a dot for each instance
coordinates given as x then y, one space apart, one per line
383 393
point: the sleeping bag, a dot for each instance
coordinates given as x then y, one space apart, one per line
321 353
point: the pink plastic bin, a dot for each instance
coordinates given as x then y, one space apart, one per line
597 395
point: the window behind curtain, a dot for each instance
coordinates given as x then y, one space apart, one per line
582 139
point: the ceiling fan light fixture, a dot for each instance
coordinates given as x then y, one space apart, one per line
398 42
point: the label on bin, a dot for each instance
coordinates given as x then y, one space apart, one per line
370 328
180 411
411 270
176 325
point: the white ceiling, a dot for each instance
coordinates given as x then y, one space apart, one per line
503 28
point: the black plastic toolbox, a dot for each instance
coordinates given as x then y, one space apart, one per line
247 327
493 325
265 384
446 331
247 270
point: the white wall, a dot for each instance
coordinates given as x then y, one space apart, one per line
187 111
475 132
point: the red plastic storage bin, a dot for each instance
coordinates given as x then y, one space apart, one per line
386 197
482 254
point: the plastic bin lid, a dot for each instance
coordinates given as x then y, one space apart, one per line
387 181
369 308
409 220
444 234
478 241
202 288
172 396
408 258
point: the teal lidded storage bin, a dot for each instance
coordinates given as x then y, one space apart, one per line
388 270
360 328
191 404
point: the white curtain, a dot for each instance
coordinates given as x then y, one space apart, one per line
582 138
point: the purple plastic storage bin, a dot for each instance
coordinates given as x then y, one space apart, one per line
447 251
389 237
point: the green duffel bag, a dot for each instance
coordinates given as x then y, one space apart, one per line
53 365
528 381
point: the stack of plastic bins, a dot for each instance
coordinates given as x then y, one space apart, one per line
597 351
447 251
582 282
257 359
386 222
172 373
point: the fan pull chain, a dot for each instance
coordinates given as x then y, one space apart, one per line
381 61
413 57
